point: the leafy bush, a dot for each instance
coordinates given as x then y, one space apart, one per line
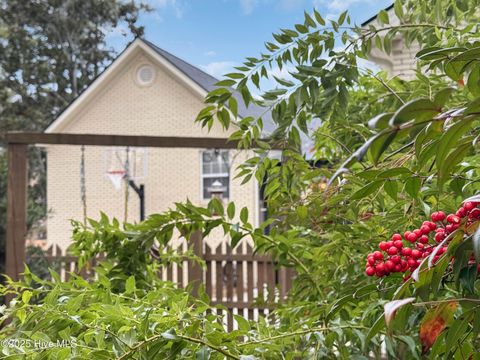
396 152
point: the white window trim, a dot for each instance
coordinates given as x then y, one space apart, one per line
137 78
202 176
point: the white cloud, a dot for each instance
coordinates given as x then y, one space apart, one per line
286 5
219 68
339 5
290 4
178 6
210 53
248 6
283 73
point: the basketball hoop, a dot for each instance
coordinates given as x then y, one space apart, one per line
116 177
120 162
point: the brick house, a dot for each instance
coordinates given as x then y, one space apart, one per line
145 91
401 60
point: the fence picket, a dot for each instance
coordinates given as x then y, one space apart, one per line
244 283
219 278
209 274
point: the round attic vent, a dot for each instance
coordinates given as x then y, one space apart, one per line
145 75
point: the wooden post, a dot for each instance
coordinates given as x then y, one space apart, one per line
195 272
16 210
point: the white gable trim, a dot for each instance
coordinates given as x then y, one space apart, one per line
67 115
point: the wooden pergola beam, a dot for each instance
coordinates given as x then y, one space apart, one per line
17 143
119 140
16 209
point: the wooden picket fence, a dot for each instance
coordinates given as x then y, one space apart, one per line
239 281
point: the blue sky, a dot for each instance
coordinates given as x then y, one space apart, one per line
218 34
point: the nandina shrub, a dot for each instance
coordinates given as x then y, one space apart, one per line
403 254
396 152
387 154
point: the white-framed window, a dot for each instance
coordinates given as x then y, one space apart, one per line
215 169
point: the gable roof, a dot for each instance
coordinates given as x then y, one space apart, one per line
197 79
207 82
365 23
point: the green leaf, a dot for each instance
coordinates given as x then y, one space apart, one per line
437 52
472 107
454 70
231 210
243 324
318 17
244 215
63 354
26 296
380 121
130 285
476 245
389 173
467 278
74 304
455 157
457 330
412 186
398 8
391 188
203 353
235 238
468 55
383 17
417 109
235 75
308 20
342 17
411 344
443 96
338 305
302 212
380 144
473 81
387 44
217 206
375 329
21 314
233 106
226 82
170 335
301 28
449 139
366 190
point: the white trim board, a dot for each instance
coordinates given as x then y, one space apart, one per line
138 45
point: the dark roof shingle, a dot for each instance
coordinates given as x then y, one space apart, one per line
207 82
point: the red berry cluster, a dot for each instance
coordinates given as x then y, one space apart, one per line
397 256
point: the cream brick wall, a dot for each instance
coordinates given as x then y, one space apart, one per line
401 60
166 108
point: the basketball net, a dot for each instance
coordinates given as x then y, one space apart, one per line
116 177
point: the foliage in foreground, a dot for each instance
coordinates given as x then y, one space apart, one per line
397 151
132 317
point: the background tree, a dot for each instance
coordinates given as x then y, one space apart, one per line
50 51
399 152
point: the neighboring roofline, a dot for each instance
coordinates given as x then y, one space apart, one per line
155 47
375 16
116 64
